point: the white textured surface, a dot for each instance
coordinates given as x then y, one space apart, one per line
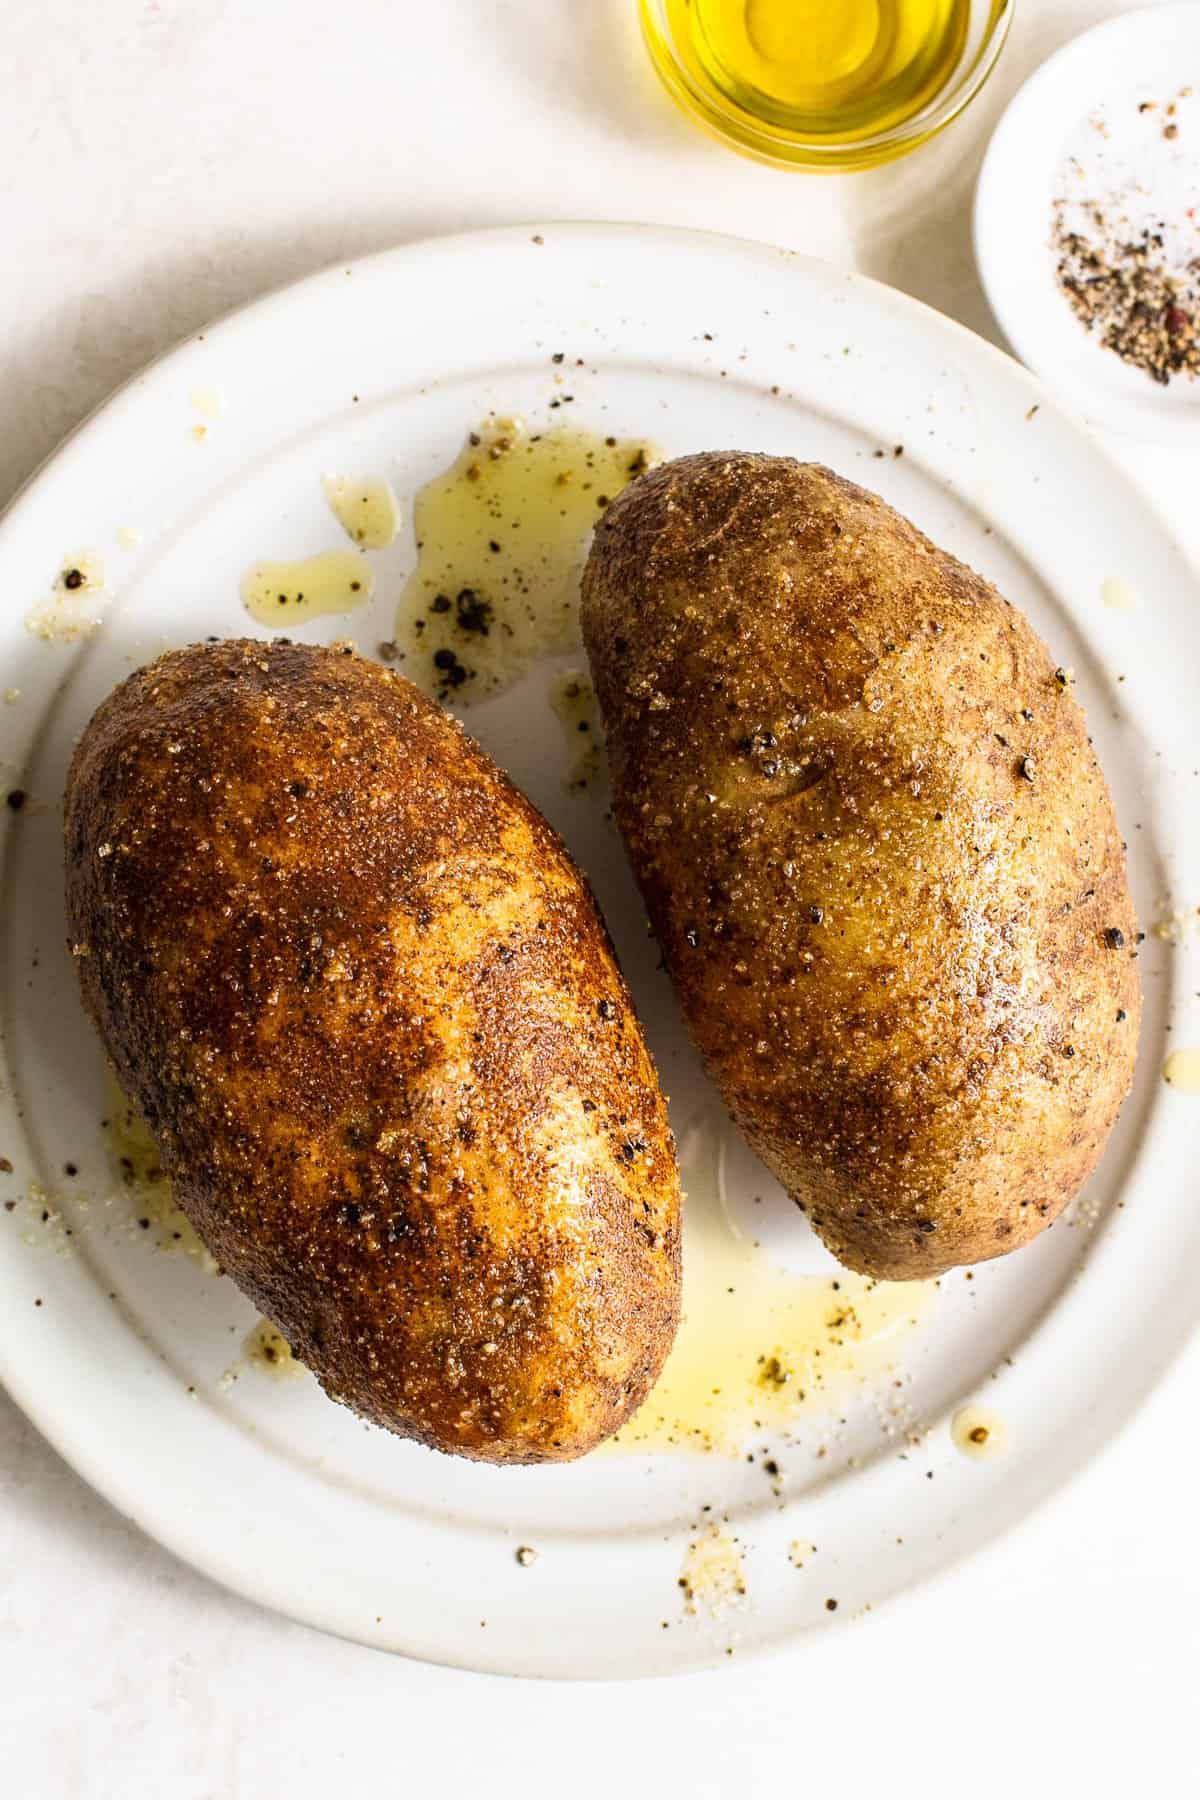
163 162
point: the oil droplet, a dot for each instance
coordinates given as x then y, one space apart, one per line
128 537
713 1576
1175 929
75 604
1182 1070
136 1165
367 511
758 1344
1117 594
501 539
281 594
573 699
208 400
979 1433
267 1349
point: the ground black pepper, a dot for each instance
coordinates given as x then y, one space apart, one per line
1122 290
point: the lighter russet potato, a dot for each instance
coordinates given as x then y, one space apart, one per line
365 1000
877 849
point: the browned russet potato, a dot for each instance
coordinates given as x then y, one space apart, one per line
366 1002
877 850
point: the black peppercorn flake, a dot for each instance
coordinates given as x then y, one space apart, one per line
1114 937
16 799
453 674
73 578
816 915
1122 1015
606 1009
1026 768
1068 1050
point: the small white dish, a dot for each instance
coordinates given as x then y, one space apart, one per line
1092 130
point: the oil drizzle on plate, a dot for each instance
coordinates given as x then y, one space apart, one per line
75 604
979 1433
758 1344
501 539
137 1168
282 594
268 1350
1182 1070
367 511
573 700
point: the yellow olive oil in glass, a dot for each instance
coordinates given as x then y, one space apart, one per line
823 68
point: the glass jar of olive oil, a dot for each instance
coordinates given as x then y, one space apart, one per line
832 84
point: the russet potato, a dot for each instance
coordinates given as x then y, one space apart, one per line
877 849
365 1000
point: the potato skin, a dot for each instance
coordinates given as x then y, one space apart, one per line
876 848
366 1002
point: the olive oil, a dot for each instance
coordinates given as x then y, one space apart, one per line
979 1433
366 510
268 1350
501 539
1182 1071
820 70
573 700
137 1170
760 1346
280 594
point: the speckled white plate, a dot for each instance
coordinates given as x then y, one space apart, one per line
1091 129
118 1352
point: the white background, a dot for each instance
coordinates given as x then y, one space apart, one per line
160 162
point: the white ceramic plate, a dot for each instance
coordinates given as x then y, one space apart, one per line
1088 129
118 1351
